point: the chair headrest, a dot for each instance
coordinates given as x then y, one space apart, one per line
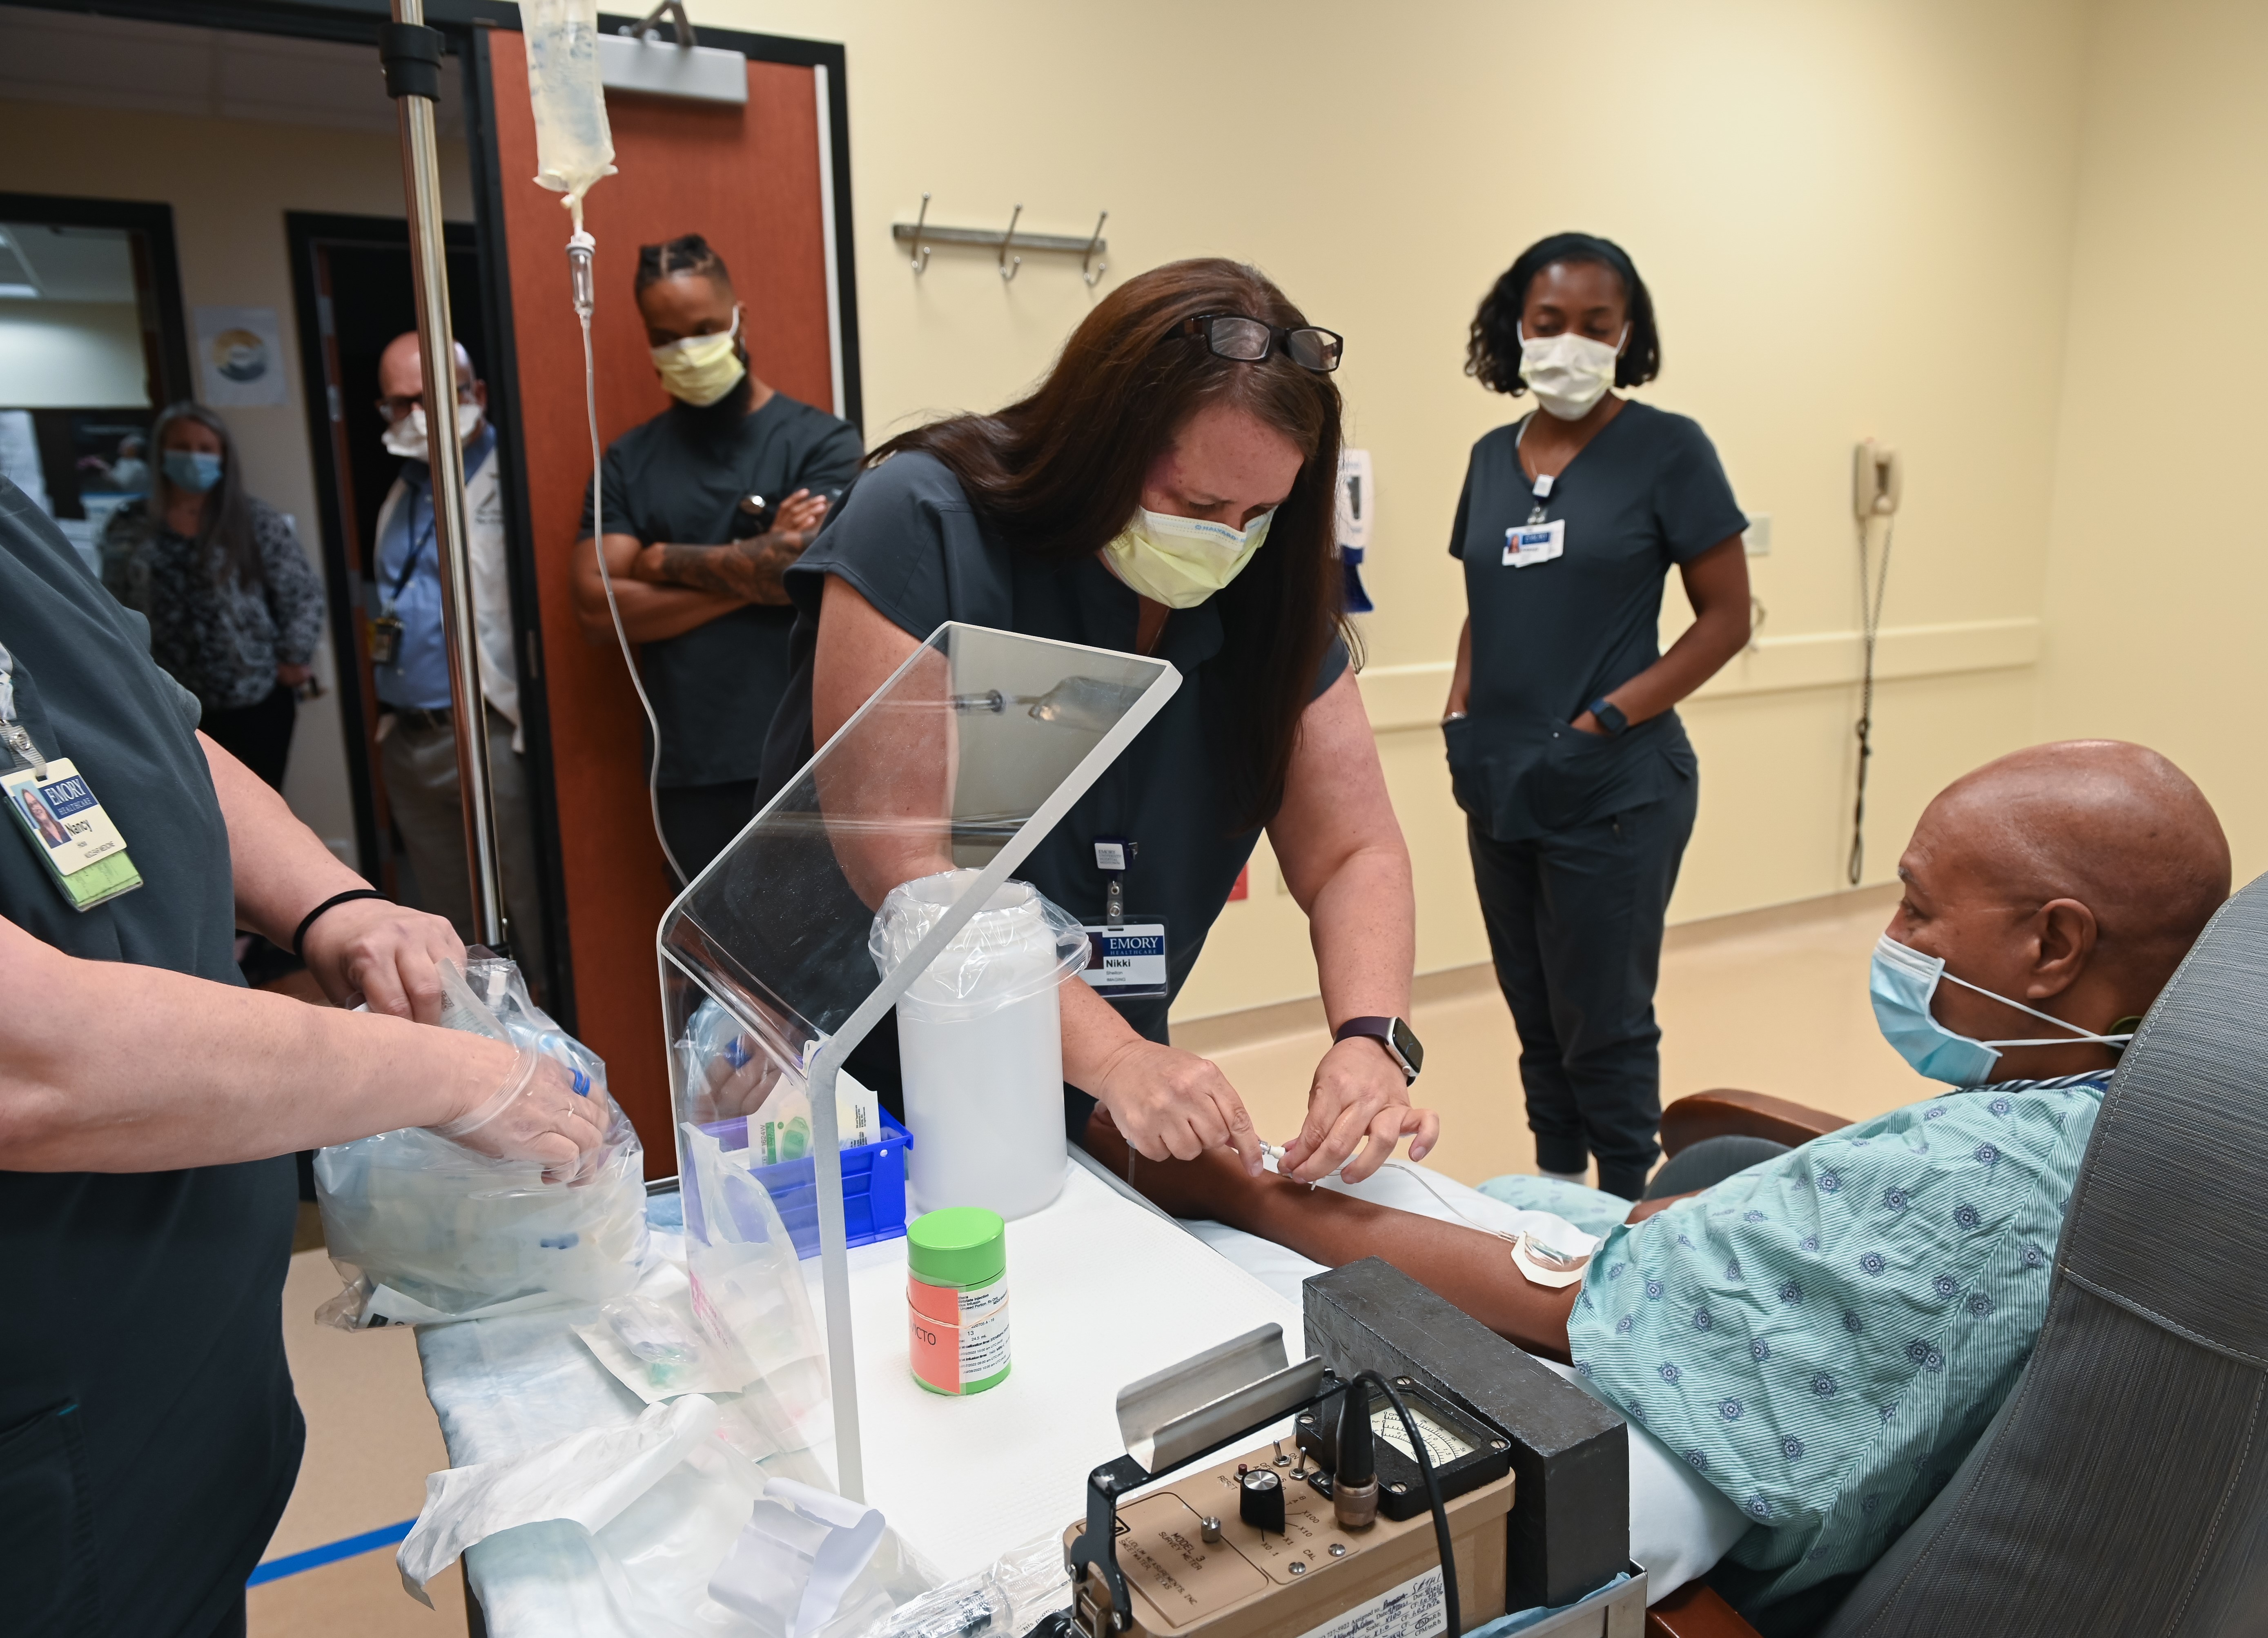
2166 1216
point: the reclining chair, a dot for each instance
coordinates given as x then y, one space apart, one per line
2123 1486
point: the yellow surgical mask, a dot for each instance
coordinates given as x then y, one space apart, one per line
1181 562
701 369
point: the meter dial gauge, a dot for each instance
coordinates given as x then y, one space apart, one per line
1444 1445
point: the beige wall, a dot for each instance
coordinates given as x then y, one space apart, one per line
2158 573
230 181
1811 191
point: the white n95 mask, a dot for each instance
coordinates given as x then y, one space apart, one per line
407 437
701 369
1567 372
1181 562
1903 981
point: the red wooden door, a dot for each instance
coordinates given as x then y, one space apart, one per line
749 180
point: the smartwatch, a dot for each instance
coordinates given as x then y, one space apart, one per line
1399 1040
1609 716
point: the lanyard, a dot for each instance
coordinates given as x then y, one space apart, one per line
416 545
13 733
1545 482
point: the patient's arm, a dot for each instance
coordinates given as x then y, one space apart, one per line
1471 1268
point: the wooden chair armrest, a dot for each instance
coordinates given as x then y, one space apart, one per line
1728 1111
1695 1611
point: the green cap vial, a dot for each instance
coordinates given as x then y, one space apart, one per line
957 1299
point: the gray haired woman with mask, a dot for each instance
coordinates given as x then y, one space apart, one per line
235 609
1579 786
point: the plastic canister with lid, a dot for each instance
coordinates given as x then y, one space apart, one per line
980 1043
957 1299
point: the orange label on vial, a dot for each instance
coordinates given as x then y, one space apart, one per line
958 1340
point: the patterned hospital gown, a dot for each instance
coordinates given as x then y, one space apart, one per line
1824 1336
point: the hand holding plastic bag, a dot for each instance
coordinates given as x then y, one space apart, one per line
545 1111
532 1196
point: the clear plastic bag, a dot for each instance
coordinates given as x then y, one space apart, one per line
748 1293
422 1228
728 1075
1017 946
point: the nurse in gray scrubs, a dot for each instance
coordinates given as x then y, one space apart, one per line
150 1106
1167 489
1578 783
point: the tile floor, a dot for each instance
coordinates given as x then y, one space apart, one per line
1774 1001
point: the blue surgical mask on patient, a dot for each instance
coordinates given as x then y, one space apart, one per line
1903 980
191 469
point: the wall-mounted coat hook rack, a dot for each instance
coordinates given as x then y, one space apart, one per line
1009 249
920 257
1093 247
1009 264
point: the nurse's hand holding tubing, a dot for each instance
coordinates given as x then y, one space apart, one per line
113 1066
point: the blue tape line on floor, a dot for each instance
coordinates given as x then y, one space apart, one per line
315 1558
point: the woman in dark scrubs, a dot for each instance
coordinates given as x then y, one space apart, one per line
150 1106
1578 783
1167 490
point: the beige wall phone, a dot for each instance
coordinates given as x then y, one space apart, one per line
1878 479
1878 482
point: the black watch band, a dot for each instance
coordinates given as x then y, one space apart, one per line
1399 1040
1609 716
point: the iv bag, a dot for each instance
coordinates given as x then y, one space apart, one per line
573 147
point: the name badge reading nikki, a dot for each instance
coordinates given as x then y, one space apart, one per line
1127 963
67 826
1534 543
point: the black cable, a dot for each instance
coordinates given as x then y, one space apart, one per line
1432 1497
1870 610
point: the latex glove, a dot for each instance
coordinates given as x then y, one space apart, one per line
1171 1104
540 1110
383 953
1359 1097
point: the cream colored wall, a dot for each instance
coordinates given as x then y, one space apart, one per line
1812 193
2158 574
230 181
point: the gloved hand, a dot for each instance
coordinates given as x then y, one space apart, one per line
540 1110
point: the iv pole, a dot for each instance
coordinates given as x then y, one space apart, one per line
411 55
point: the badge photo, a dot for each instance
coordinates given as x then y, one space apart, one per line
1528 544
81 847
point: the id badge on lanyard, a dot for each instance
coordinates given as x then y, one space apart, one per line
1125 960
1538 540
76 840
384 628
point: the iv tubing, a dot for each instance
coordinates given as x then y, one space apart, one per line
598 546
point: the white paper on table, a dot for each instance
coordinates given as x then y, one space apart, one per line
587 1478
799 1553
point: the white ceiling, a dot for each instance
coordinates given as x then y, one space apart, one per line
162 68
68 263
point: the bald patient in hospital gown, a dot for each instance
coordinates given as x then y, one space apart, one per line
1820 1340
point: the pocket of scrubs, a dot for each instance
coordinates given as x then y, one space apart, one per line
1575 766
47 1526
1468 778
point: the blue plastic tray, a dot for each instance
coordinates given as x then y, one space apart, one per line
874 1187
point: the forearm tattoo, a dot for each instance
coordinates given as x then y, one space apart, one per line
745 568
